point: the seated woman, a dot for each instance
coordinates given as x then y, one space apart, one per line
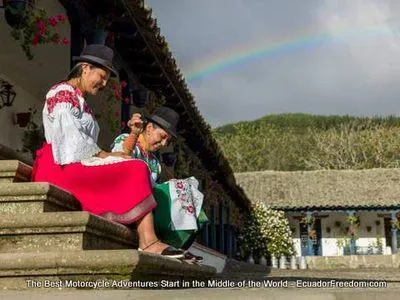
179 213
72 160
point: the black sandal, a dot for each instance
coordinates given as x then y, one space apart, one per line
170 251
192 257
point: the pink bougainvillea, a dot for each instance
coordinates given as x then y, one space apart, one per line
38 28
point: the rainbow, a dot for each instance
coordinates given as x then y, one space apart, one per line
219 62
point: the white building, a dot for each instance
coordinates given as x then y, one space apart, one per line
333 212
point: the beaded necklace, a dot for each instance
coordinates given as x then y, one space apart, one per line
149 158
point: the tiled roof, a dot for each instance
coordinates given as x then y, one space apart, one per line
370 188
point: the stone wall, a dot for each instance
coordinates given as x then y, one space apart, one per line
353 262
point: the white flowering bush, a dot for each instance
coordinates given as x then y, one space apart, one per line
266 232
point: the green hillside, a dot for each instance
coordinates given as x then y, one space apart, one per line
291 142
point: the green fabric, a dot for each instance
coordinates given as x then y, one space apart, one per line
162 220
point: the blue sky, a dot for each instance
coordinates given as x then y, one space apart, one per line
356 74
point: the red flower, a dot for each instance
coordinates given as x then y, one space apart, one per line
124 84
61 18
56 38
179 184
53 21
190 209
117 114
35 40
41 26
65 41
127 100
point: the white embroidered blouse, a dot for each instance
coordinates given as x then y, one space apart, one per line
69 125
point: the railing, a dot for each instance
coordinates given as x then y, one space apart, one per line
221 238
364 250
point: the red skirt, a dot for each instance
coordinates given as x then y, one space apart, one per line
118 189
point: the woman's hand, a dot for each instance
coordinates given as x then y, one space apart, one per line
120 154
136 124
104 154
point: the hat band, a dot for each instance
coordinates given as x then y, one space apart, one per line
164 124
96 59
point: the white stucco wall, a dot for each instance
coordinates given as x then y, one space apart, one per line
31 79
10 133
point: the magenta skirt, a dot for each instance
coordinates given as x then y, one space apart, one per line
120 191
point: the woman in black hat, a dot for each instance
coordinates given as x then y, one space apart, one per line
72 160
179 214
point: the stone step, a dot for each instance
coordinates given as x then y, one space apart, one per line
34 197
14 171
120 267
8 153
62 231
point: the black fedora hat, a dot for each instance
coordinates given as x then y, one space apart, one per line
98 55
166 118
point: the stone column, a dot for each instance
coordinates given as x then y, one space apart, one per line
394 231
310 242
352 213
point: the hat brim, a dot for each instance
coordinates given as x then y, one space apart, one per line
163 124
96 61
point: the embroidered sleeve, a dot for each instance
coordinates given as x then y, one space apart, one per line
70 140
62 97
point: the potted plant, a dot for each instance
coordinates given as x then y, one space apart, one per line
23 118
96 29
140 97
35 28
307 220
344 243
33 136
395 224
353 220
17 11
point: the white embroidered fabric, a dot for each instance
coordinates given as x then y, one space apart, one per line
186 203
70 130
97 161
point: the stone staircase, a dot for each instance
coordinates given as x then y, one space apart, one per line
44 235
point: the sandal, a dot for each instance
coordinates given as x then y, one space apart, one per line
192 257
170 251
